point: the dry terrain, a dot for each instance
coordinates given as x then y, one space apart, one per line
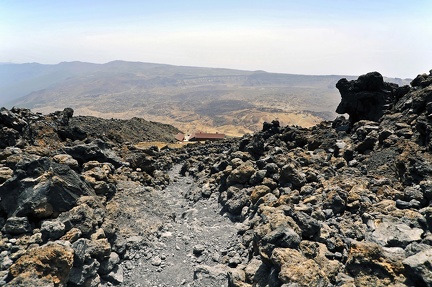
228 101
344 203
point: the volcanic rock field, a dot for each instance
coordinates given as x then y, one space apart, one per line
343 203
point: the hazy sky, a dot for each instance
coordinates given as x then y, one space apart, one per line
305 37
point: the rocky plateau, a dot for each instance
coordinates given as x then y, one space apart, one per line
343 203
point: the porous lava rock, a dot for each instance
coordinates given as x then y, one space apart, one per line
366 98
50 263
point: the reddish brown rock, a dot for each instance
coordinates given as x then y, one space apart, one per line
295 268
51 262
369 265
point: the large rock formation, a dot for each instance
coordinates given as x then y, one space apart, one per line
366 98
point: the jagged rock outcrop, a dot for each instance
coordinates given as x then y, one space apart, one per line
368 97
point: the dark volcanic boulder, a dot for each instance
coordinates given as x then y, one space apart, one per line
97 150
17 225
73 133
365 98
11 120
141 160
40 187
8 137
12 128
292 173
422 80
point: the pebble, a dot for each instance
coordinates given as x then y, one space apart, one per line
156 261
198 249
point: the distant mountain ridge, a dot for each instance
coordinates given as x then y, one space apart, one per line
209 99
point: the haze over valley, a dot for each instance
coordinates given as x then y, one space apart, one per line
229 101
238 41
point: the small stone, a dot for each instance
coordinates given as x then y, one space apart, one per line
52 229
234 261
129 265
109 264
401 204
17 253
216 257
72 235
36 238
52 262
99 249
156 261
79 275
94 281
391 233
198 249
3 276
5 174
6 262
17 225
117 275
66 159
284 237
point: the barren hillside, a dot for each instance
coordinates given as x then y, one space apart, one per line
190 98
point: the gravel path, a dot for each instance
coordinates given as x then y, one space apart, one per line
191 244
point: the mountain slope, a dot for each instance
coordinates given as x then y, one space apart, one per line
230 101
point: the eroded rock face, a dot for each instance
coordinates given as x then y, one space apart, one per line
418 267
